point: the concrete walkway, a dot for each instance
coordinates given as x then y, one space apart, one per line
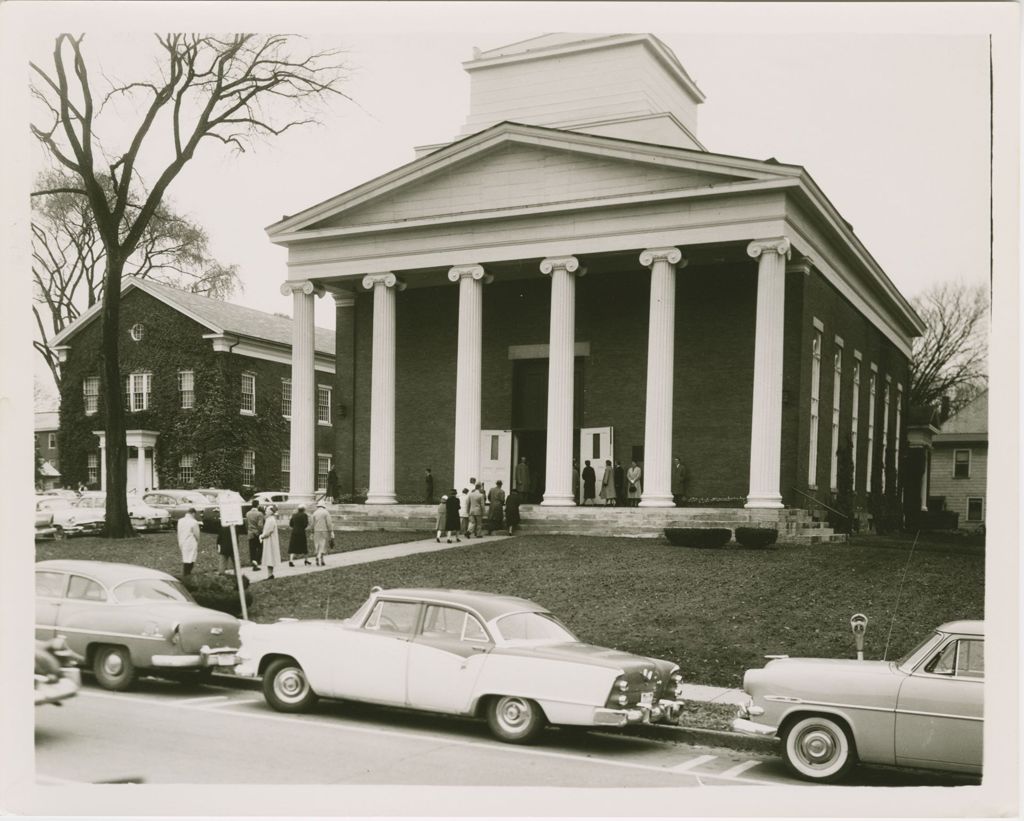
692 692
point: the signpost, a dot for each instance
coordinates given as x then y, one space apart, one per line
231 515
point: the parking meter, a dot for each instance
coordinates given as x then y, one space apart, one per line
859 624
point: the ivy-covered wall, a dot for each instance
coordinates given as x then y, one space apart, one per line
214 429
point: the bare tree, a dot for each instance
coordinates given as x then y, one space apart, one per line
230 89
68 258
951 358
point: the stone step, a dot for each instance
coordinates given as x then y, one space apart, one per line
816 538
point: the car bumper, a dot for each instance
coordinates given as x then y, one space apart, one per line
206 657
744 723
52 692
151 524
665 711
45 532
83 529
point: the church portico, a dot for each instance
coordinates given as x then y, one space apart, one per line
613 301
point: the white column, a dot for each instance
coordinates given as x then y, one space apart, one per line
766 417
471 279
558 470
302 451
925 479
661 341
382 389
140 470
103 458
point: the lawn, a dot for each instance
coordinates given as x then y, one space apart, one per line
716 612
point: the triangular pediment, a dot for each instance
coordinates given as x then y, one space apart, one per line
512 167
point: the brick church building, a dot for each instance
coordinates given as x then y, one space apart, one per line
577 276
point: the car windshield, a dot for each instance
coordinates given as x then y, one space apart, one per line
928 641
530 628
143 590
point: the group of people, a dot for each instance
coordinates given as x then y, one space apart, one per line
476 512
622 487
261 529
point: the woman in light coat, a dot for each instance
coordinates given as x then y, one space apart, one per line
271 542
633 487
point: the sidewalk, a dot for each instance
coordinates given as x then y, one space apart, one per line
691 692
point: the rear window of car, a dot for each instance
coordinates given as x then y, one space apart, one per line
533 627
138 590
49 584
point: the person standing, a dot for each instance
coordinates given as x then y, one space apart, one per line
633 487
620 484
442 514
522 478
225 550
188 540
323 532
332 485
589 483
297 546
496 499
451 516
253 528
429 482
607 491
271 541
576 480
464 512
512 510
678 481
476 512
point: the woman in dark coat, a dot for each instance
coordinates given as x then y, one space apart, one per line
299 523
451 517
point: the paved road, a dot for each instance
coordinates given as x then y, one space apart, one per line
167 733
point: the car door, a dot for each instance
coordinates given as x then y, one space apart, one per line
445 659
84 615
940 708
50 586
372 664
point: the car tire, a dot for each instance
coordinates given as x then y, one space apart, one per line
286 688
514 719
113 668
58 533
817 748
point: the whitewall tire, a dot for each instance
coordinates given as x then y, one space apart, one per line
817 748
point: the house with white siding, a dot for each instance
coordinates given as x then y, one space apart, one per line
959 464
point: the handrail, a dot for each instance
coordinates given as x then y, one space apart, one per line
820 503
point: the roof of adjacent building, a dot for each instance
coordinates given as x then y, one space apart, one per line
219 316
970 422
47 420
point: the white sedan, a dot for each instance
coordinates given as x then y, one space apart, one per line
143 516
459 652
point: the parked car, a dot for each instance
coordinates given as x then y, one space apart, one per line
57 676
459 652
44 524
63 492
68 520
215 497
125 620
142 515
269 497
177 502
924 710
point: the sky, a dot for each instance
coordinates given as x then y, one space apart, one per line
894 127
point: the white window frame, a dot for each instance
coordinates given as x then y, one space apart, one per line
286 397
837 384
248 378
970 458
248 467
967 512
140 387
187 395
872 396
323 412
320 457
812 454
92 467
855 415
286 469
886 398
51 441
91 395
186 469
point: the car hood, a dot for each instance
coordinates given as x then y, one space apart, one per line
812 666
835 680
579 653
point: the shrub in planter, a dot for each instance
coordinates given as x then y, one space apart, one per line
698 536
756 537
218 591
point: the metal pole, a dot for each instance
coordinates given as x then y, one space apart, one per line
238 571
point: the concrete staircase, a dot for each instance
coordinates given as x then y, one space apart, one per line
795 525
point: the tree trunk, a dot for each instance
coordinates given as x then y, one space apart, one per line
119 525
